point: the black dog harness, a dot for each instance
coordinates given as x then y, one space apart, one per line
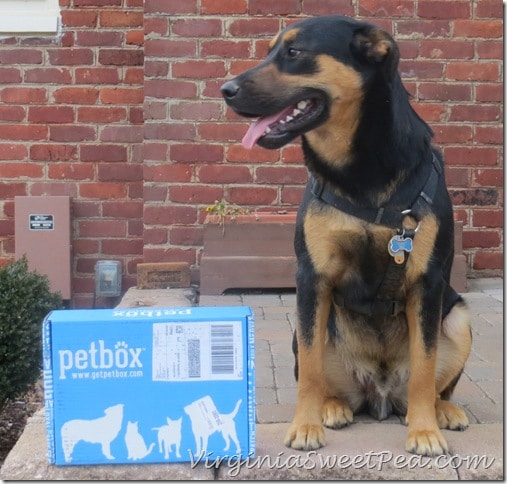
400 245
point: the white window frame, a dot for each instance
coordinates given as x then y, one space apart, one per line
29 16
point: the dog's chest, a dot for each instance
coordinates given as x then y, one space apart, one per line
344 249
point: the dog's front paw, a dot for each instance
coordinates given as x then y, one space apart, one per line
305 437
426 442
450 416
336 414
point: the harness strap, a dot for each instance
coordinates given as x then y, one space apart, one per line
382 215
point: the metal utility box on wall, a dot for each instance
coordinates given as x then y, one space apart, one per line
43 234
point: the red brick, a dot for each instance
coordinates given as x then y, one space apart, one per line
446 49
101 114
170 89
236 153
268 7
53 152
489 9
487 218
134 75
170 255
97 38
122 247
292 154
156 25
254 26
50 114
73 132
480 239
170 6
445 92
79 18
386 8
489 49
281 175
471 156
197 27
85 246
488 260
20 56
70 57
198 111
70 171
11 189
155 68
121 57
248 195
122 209
192 236
13 151
154 193
169 214
449 133
457 177
225 48
121 95
199 69
487 177
12 113
97 3
155 151
421 70
487 29
170 48
102 228
21 170
489 92
104 190
440 9
292 195
473 71
119 172
48 75
241 65
122 134
173 131
155 236
423 28
135 37
475 112
87 209
324 7
23 132
478 196
76 95
196 153
23 95
10 75
97 75
167 173
193 194
221 131
103 152
489 135
57 188
224 174
430 112
115 18
223 6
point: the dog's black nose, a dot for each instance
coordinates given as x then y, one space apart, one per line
230 89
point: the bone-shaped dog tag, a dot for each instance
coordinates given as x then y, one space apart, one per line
397 247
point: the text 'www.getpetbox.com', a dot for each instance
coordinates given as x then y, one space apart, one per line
313 460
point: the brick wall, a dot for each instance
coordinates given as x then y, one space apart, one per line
71 119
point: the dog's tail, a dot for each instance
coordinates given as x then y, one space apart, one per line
236 408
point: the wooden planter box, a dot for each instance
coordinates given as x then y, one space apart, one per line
251 251
256 251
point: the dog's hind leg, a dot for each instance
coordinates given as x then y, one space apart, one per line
453 349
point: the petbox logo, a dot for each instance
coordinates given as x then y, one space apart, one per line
99 357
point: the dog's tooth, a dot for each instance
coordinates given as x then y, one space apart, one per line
302 104
267 130
282 121
289 118
296 112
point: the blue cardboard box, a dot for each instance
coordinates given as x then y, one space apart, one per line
149 385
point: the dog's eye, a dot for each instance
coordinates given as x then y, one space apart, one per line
293 52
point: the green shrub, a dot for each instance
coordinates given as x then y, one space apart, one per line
25 299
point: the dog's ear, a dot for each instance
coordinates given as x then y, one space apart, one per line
375 46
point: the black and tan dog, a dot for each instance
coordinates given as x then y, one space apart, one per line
379 327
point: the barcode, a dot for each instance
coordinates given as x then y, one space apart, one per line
194 358
222 349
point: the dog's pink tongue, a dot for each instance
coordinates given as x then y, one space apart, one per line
256 130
